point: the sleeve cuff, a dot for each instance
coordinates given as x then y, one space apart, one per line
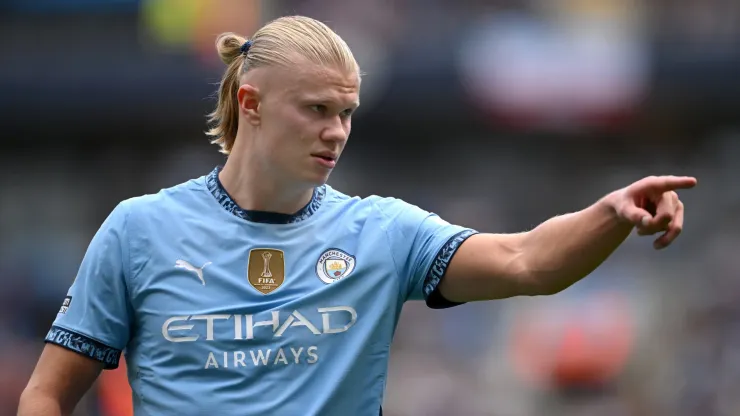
437 271
84 345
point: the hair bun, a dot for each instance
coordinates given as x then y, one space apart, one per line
229 47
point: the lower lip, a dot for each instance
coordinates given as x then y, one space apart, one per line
327 163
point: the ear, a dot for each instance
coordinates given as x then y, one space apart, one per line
249 103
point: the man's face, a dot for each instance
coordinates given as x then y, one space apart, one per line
305 121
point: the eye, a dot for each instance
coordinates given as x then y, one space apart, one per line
319 108
348 112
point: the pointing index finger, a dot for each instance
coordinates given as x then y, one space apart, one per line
662 184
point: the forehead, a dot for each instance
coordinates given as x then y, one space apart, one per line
314 82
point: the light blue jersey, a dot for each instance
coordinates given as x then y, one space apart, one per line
222 311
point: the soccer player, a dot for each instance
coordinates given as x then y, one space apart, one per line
257 289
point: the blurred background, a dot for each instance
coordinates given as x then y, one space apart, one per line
495 114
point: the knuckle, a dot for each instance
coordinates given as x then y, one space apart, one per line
674 231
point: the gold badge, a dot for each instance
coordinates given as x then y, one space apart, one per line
266 269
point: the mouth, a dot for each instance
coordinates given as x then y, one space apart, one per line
326 159
325 155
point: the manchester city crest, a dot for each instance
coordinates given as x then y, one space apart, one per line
334 264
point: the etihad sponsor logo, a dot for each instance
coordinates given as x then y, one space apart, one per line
239 327
244 326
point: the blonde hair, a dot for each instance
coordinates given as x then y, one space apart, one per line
277 43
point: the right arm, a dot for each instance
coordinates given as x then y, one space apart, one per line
58 383
91 329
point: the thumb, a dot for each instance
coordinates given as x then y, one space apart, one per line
636 215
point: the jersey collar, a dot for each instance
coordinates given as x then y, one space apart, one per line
219 192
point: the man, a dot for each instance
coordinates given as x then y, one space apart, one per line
257 289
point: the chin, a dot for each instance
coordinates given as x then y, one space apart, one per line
315 180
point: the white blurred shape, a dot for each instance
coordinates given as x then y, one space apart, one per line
517 65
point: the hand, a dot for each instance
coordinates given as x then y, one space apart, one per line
652 205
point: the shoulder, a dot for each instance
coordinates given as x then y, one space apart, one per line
337 198
177 196
388 210
167 202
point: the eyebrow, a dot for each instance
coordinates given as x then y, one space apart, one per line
327 99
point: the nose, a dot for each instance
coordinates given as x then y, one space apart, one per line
337 130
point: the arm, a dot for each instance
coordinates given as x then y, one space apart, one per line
91 328
564 249
58 383
546 260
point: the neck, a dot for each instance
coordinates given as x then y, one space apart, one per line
259 191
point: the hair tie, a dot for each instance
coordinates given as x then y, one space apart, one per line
246 46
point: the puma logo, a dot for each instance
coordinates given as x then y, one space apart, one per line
182 264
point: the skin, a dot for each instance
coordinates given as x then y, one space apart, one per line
289 115
564 249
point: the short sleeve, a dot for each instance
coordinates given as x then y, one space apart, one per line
95 317
423 245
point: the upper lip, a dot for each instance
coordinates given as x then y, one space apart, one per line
326 154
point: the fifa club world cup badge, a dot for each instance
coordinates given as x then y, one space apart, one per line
334 264
266 269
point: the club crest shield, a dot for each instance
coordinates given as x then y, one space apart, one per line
334 264
266 269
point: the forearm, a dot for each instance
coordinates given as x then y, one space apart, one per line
36 404
565 249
